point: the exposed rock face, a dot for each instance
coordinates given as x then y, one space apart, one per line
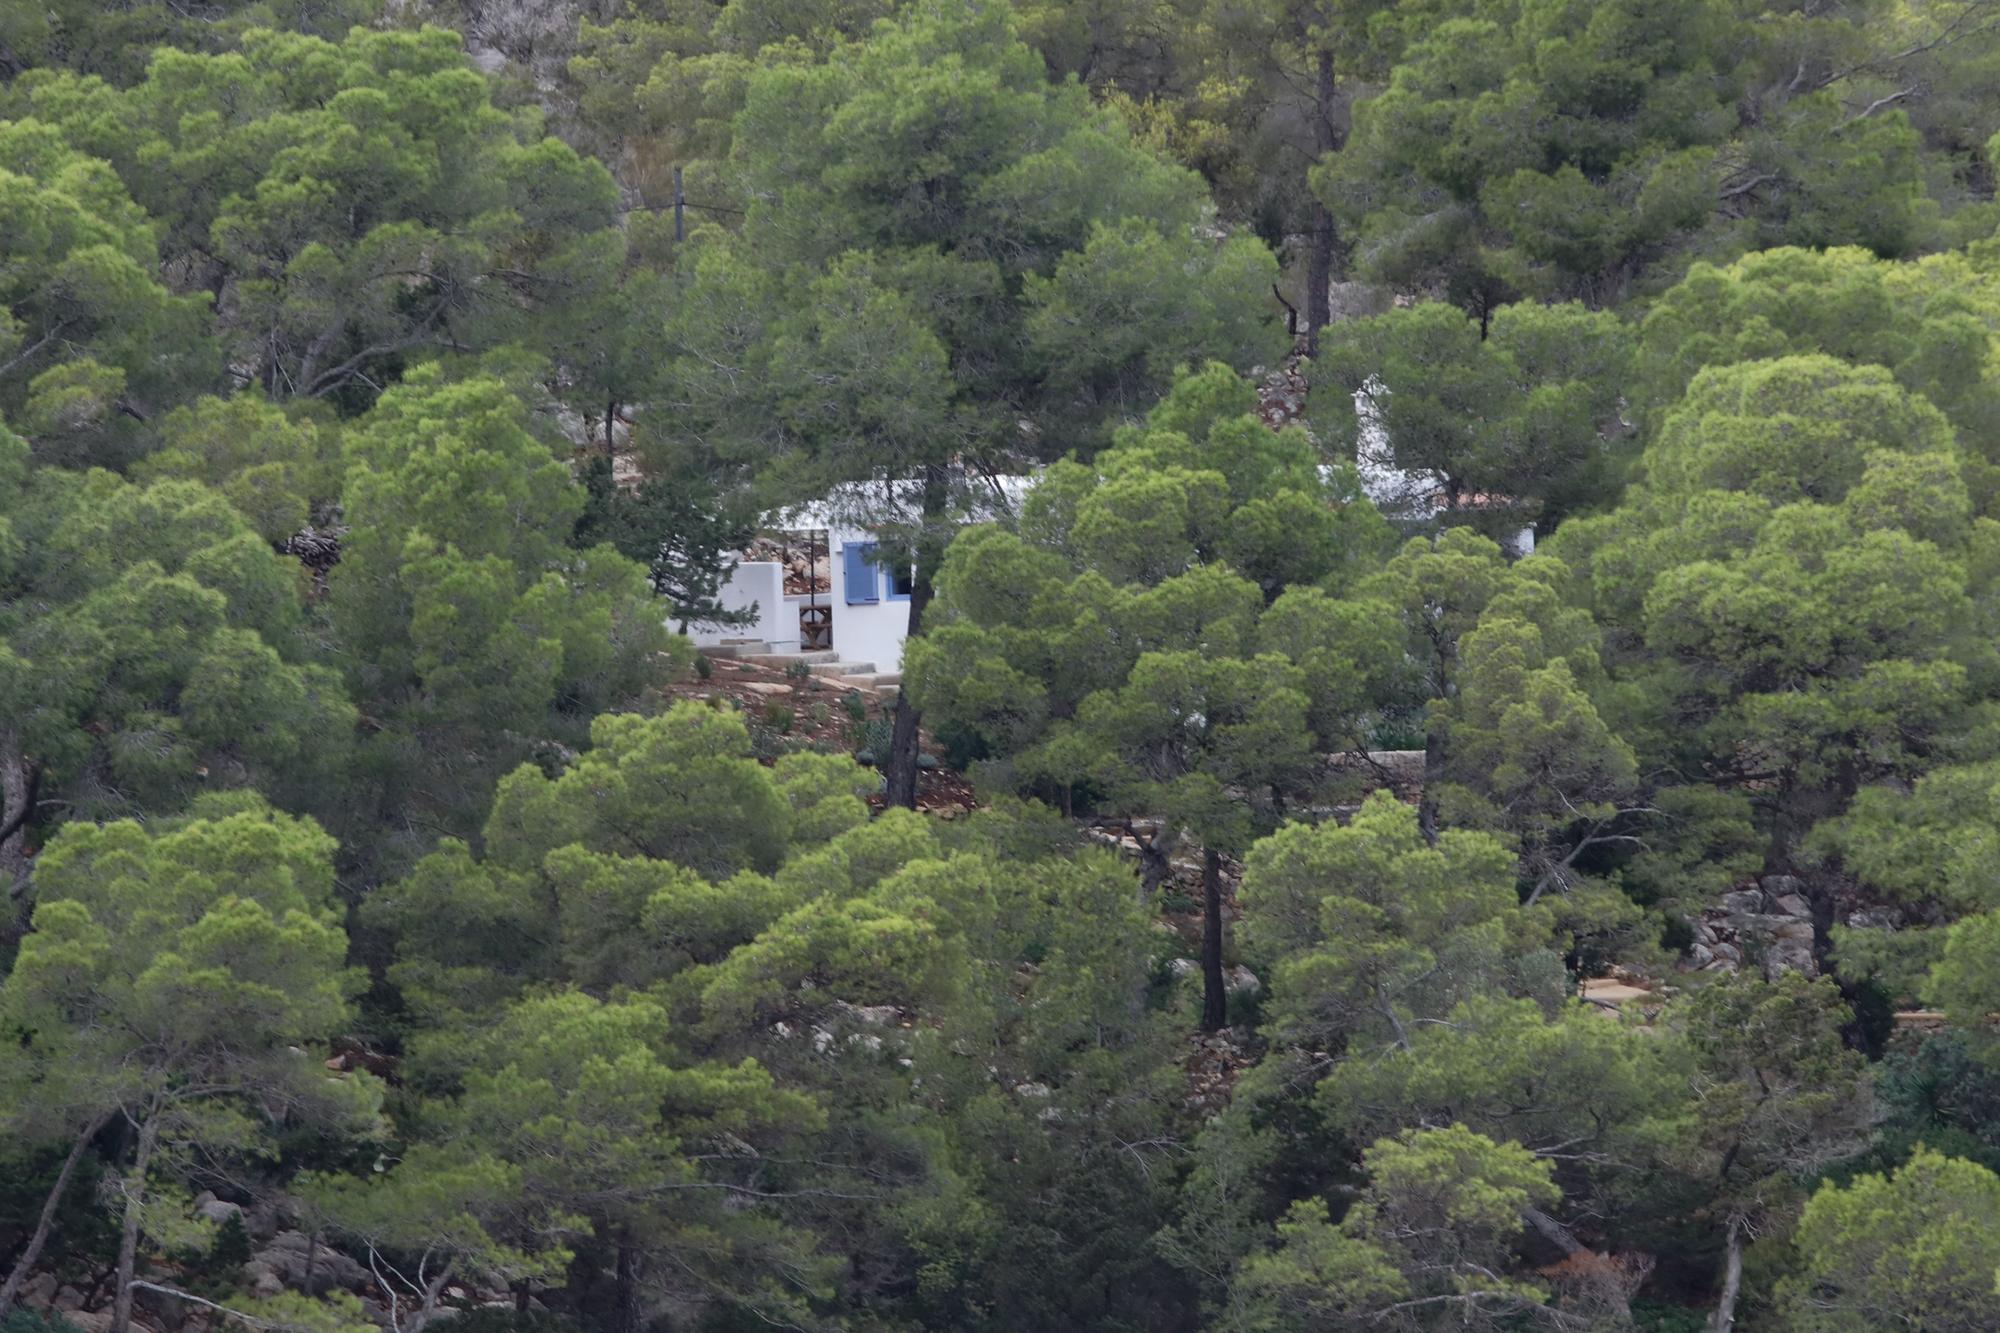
217 1210
282 1264
1766 925
1240 980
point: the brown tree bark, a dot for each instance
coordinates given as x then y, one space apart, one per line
1214 999
625 1319
128 1235
17 797
46 1220
1427 801
1319 268
900 772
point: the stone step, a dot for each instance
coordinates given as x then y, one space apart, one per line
779 661
870 680
735 650
838 668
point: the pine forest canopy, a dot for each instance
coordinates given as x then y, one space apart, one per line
1256 910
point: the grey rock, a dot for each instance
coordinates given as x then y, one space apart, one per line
39 1290
267 1217
1793 904
1744 902
1793 930
67 1299
1240 980
1779 885
284 1258
1182 968
167 1311
1700 954
1789 956
1876 918
220 1211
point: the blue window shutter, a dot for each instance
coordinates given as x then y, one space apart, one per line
861 572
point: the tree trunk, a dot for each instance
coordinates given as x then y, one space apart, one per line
1156 862
128 1236
45 1222
1214 999
901 770
1319 269
17 793
625 1319
1427 801
1732 1280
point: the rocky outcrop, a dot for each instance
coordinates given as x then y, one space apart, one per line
1765 925
283 1263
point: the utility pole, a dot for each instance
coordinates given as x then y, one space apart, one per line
680 206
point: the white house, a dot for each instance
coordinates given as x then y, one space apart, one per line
1416 498
828 590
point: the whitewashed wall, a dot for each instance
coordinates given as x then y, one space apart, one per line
760 583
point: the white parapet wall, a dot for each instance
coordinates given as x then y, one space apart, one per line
758 583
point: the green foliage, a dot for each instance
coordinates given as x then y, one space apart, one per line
469 619
1777 1093
943 248
1918 1247
1441 1210
1506 419
35 1321
678 529
279 471
681 1030
1581 152
114 38
1930 323
133 675
173 978
1797 566
1370 927
1574 1086
88 335
1138 611
356 204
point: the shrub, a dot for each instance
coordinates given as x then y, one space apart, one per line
22 1320
873 739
